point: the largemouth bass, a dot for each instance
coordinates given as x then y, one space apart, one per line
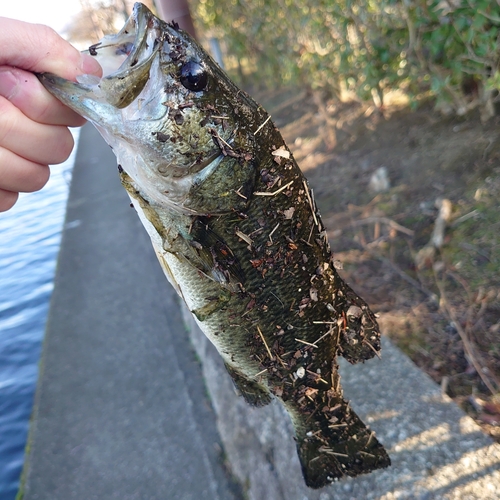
236 229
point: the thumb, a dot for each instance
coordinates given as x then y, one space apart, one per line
38 48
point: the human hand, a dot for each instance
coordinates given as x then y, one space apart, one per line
34 124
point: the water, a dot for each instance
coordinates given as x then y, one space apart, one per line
30 235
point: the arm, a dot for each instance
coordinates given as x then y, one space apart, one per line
33 124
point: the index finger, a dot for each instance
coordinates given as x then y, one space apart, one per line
24 91
38 48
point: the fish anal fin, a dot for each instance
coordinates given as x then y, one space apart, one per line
253 393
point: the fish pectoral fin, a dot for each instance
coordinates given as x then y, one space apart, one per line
333 443
216 258
253 393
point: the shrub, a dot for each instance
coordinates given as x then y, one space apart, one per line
444 48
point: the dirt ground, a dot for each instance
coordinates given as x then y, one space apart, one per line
423 250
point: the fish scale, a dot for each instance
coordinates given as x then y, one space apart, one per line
236 230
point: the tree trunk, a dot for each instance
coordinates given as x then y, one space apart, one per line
177 11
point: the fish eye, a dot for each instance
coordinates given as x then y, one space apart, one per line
193 76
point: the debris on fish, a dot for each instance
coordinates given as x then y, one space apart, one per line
236 229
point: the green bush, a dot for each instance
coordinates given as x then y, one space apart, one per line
447 48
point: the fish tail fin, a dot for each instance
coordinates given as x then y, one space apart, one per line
335 443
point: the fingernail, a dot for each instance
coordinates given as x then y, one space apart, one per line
90 66
8 84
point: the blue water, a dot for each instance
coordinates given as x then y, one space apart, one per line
30 235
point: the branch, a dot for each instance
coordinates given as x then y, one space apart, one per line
383 220
468 348
408 278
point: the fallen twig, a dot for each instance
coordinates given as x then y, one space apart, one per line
468 347
265 343
408 278
274 193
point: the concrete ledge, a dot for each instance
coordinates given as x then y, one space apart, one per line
121 409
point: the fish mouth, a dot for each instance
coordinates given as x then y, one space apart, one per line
126 59
129 105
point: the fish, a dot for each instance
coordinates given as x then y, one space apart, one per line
236 229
